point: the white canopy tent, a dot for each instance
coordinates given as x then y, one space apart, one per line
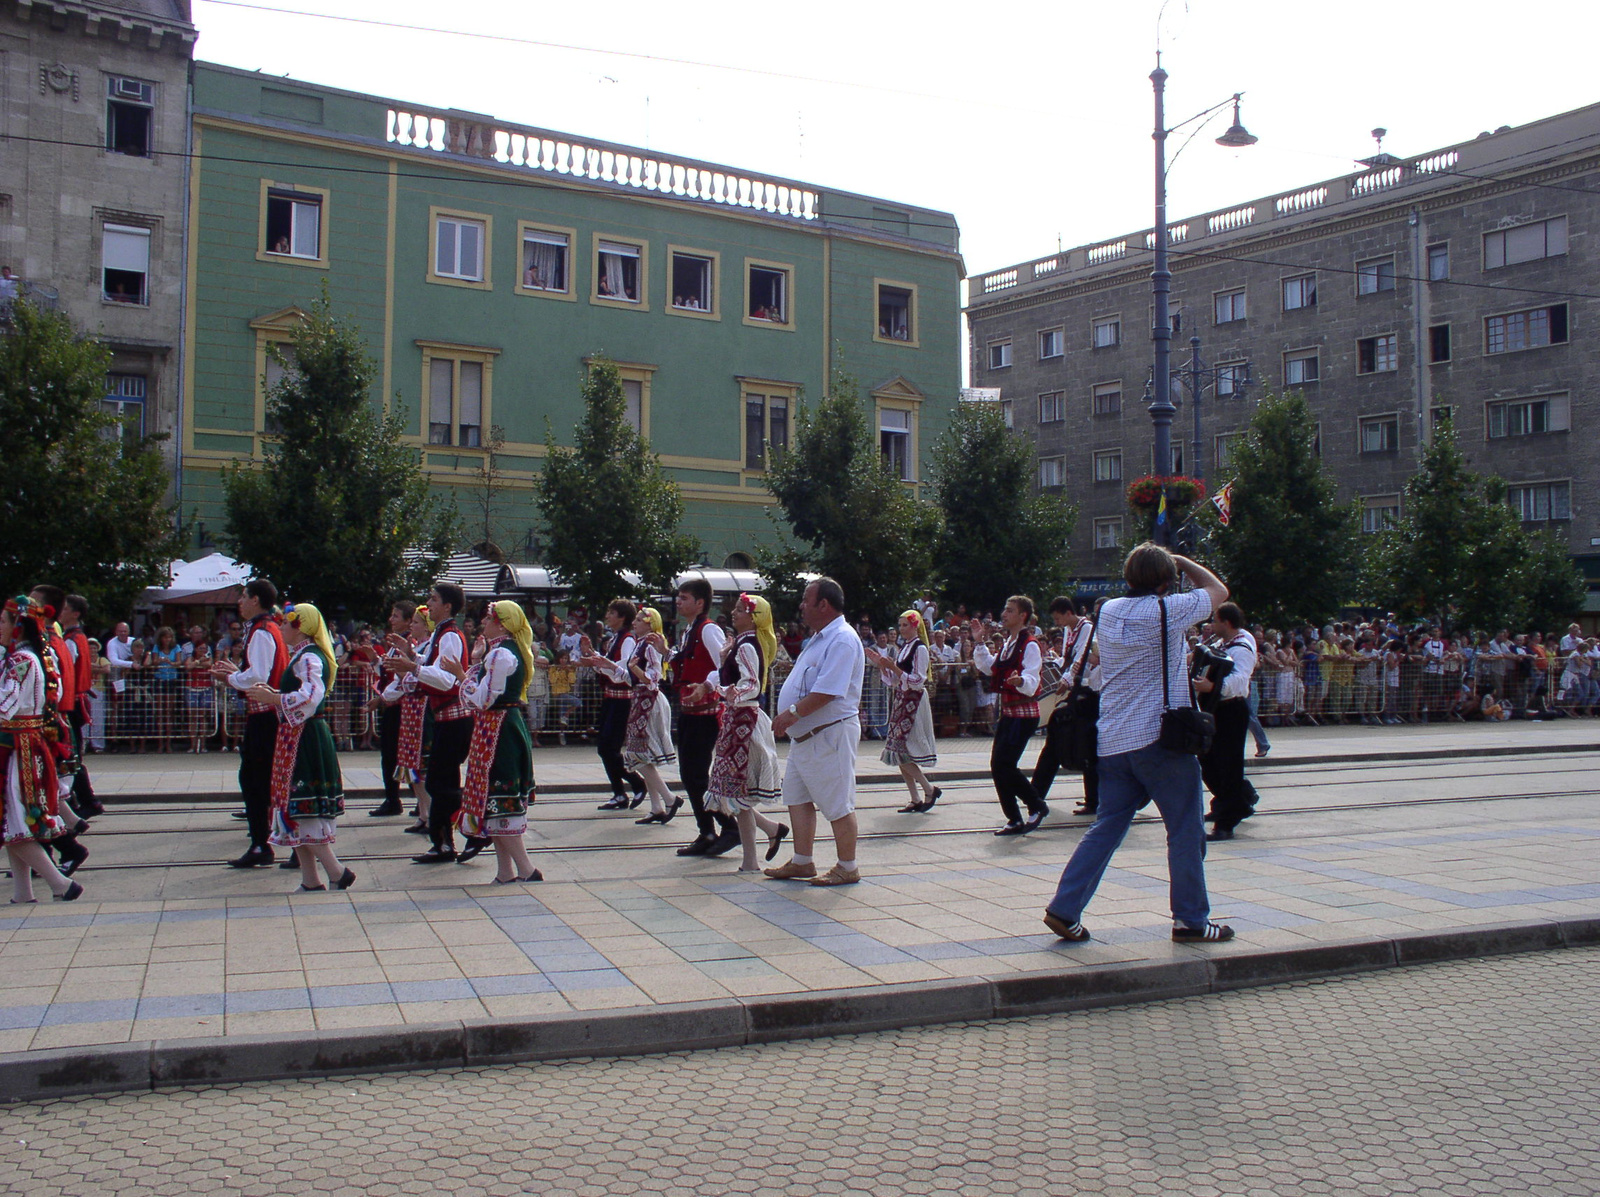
215 579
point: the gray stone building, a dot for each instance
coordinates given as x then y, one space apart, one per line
1460 279
93 133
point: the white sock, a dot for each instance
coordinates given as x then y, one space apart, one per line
800 860
849 866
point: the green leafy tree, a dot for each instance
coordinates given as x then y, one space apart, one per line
1459 556
1290 551
82 508
1552 585
606 503
849 516
999 537
331 511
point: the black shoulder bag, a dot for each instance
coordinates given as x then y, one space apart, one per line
1185 729
1083 705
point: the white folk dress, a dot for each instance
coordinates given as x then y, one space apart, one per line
909 739
649 739
745 771
22 715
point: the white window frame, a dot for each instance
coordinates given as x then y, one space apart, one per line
1008 412
438 353
1105 332
1300 286
1379 513
712 260
625 249
1107 464
913 337
1523 498
1104 390
565 239
786 269
1230 379
134 93
1378 355
1052 407
898 422
1000 354
128 245
1052 343
1108 532
1382 420
1439 251
1312 354
441 218
1371 276
1052 472
1229 307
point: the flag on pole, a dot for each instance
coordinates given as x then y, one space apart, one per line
1223 500
1161 510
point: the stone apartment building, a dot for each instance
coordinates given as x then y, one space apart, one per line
93 130
1459 280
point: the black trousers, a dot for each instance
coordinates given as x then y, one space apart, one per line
1062 740
1011 736
255 772
697 742
82 790
452 740
609 738
1233 798
389 750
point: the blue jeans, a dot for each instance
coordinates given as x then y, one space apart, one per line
1172 781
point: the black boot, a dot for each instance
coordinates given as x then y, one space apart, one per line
71 852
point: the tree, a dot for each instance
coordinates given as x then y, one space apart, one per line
852 518
488 484
606 503
331 512
1289 552
1553 586
999 537
1458 556
82 508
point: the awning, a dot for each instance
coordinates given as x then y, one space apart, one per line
212 580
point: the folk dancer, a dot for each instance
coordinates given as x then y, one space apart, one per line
698 656
307 788
416 721
28 755
75 611
1233 798
389 714
265 659
648 743
1015 674
745 768
616 700
1071 731
61 696
908 740
500 786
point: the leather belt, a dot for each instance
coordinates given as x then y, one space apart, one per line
815 730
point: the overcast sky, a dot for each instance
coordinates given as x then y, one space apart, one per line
1030 121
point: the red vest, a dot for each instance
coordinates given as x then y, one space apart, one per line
280 655
83 669
439 699
66 695
609 687
1012 701
692 664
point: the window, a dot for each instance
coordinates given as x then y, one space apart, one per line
1108 465
1442 414
1439 343
1300 366
1528 417
1108 399
130 115
1379 513
1230 306
1375 275
456 381
1051 343
766 294
1177 458
1380 434
633 404
1532 329
1106 332
294 224
125 398
1525 243
1300 292
460 254
1008 413
280 365
1375 355
1108 532
897 316
999 354
1052 472
1225 445
693 279
546 266
1232 378
619 272
1438 262
894 439
1537 502
125 264
766 425
1052 407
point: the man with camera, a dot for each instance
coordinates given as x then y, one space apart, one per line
1222 678
1144 708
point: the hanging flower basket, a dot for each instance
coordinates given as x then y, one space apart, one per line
1144 494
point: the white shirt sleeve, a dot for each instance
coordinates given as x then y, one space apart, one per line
653 661
749 683
916 678
982 658
1237 683
434 676
617 670
714 638
259 654
299 705
488 683
1032 663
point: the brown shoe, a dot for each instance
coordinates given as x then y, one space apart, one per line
838 876
792 872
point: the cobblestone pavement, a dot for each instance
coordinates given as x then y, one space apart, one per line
167 944
1473 1077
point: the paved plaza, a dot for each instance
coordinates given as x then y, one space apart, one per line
1464 1079
167 944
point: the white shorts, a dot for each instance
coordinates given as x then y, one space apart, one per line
822 771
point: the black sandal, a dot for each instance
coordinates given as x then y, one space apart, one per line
911 808
932 798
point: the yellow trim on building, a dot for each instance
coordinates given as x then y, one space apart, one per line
263 254
642 304
570 295
787 269
486 283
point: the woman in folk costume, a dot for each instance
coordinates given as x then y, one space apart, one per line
307 789
411 754
28 754
745 770
648 745
499 785
909 741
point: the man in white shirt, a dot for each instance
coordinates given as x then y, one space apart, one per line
119 658
1014 672
819 708
1072 735
1136 675
1233 798
265 657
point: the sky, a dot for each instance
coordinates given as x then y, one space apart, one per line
1030 121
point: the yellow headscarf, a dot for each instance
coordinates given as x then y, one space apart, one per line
311 624
422 613
515 621
653 618
761 612
920 624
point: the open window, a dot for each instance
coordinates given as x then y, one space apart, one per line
545 268
125 265
692 282
767 294
294 223
897 316
130 116
619 272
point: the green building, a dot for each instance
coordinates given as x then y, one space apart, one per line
486 263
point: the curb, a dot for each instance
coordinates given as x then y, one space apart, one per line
691 1026
579 787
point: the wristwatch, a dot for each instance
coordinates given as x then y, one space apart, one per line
792 709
